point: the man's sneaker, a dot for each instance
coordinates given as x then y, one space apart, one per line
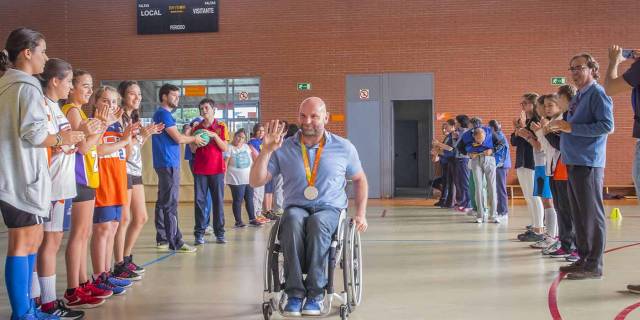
199 241
221 240
553 247
544 243
479 220
584 275
102 282
239 225
255 223
185 248
89 289
57 308
574 267
530 236
123 273
496 220
81 300
118 282
573 257
271 215
633 288
162 245
312 307
132 266
293 307
560 253
208 231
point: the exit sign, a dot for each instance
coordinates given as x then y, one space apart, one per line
304 86
558 81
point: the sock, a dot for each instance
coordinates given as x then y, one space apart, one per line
551 220
96 275
34 292
48 285
16 276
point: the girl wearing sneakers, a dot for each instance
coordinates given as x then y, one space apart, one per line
237 177
80 292
134 212
543 156
111 194
24 174
260 195
56 82
555 107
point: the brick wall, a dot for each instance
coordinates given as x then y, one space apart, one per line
484 53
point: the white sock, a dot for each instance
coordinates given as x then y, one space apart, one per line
48 285
35 286
551 220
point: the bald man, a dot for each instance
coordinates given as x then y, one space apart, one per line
315 165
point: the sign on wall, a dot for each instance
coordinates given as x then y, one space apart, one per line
558 81
177 16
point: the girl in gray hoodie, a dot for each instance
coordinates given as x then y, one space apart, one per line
25 185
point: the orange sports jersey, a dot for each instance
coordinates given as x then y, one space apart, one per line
561 171
113 171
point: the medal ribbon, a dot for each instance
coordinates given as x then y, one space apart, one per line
311 175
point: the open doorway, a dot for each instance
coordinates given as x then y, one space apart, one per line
412 135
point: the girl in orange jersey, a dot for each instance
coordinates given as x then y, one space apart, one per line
111 194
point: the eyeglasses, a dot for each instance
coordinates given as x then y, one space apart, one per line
578 68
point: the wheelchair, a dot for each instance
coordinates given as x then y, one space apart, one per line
345 252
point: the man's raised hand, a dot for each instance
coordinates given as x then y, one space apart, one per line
274 135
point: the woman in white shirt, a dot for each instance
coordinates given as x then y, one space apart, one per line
238 158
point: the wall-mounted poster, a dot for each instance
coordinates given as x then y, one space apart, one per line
177 16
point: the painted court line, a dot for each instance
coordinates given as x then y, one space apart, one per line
553 292
146 264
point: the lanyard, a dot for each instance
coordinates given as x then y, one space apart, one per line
311 175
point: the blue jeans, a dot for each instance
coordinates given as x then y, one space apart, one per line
462 182
636 170
239 193
501 189
305 236
166 213
214 186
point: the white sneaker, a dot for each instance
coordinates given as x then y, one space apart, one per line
544 243
479 220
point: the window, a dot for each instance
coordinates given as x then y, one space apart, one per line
237 99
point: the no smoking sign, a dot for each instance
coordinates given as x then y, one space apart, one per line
364 94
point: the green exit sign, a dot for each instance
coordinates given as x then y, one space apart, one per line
558 81
304 86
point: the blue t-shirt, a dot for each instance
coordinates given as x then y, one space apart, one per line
632 77
471 146
339 162
503 157
166 152
255 143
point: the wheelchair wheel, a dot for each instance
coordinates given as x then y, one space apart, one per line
353 266
274 266
267 311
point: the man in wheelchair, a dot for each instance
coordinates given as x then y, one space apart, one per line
315 165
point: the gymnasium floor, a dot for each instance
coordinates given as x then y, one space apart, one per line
420 263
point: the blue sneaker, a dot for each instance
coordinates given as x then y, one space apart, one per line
30 315
293 307
313 307
122 283
44 316
199 241
103 283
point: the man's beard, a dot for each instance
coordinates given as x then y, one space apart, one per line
310 132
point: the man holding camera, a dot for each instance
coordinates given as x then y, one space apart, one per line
615 84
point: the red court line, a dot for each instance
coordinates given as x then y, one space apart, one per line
623 314
553 292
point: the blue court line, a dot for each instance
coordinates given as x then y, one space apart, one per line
146 264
